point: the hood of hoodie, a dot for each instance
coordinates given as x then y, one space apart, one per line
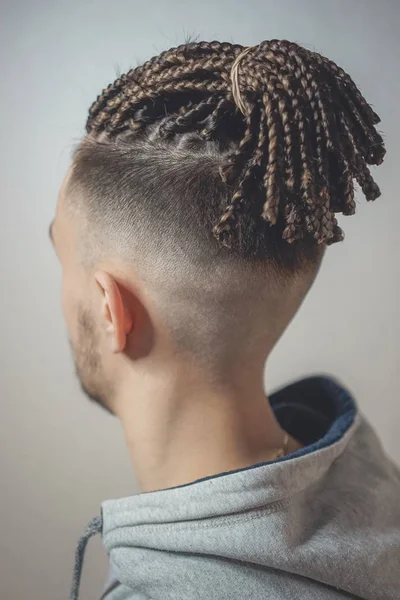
323 522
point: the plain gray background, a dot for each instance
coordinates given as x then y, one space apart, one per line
60 455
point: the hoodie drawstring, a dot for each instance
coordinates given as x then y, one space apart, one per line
95 526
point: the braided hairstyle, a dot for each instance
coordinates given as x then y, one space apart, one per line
290 127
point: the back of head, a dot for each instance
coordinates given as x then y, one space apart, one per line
218 171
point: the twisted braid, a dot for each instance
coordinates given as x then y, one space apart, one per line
306 133
271 178
223 229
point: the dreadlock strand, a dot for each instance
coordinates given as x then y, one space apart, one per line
271 177
344 81
112 90
234 163
320 222
306 134
362 172
222 230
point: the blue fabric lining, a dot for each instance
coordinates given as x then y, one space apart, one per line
316 410
336 411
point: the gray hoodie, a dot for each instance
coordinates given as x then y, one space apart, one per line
322 523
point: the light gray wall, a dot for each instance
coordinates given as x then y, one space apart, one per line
60 456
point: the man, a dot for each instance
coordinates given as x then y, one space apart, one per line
190 226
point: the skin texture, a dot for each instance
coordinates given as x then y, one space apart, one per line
169 329
180 422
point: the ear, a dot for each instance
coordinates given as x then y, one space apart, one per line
117 319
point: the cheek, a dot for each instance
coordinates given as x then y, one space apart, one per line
68 302
74 299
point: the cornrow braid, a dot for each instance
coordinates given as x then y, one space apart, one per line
189 119
292 128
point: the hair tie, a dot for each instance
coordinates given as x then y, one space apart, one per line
235 80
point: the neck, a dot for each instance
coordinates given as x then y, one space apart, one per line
179 429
